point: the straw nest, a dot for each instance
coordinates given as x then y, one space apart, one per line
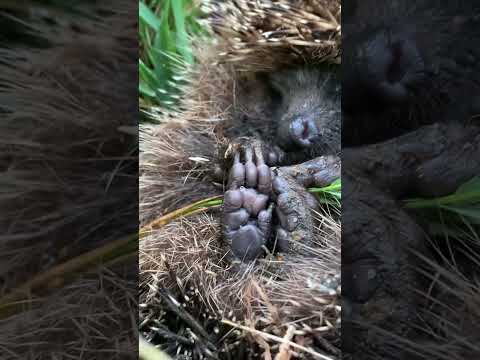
192 302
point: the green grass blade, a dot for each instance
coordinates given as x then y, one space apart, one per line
165 29
467 194
165 40
147 16
472 214
145 90
465 202
329 195
183 43
147 77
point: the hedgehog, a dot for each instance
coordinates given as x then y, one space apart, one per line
285 302
305 147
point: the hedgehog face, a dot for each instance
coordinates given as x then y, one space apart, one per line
309 114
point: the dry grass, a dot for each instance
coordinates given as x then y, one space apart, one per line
188 257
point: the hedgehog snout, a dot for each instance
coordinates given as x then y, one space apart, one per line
394 65
384 66
303 131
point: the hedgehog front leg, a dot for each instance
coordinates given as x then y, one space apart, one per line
318 172
247 218
293 202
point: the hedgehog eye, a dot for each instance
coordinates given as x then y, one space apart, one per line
360 280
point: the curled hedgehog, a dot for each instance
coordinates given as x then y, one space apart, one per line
260 122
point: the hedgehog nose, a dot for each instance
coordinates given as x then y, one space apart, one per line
396 64
382 68
304 131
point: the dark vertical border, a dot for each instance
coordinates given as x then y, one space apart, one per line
410 104
69 180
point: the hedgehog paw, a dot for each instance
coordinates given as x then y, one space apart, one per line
247 217
293 203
